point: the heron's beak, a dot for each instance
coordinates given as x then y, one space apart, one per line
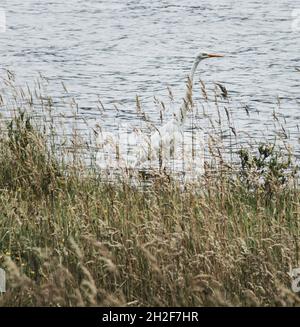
215 56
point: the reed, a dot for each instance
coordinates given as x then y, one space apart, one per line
69 236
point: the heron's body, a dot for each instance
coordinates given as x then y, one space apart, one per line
163 142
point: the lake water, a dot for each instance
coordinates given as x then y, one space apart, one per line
116 50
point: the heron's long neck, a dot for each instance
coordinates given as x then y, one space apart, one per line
192 73
189 88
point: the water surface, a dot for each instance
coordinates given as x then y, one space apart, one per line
116 50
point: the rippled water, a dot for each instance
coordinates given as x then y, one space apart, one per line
117 49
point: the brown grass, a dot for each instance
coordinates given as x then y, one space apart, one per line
69 237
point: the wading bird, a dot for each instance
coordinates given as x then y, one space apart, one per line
163 142
160 145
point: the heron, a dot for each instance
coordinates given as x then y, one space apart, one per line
165 139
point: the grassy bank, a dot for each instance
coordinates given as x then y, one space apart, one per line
70 238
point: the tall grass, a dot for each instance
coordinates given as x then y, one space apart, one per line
70 237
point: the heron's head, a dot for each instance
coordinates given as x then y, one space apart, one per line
204 55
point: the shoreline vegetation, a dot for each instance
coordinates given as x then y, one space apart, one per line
70 237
